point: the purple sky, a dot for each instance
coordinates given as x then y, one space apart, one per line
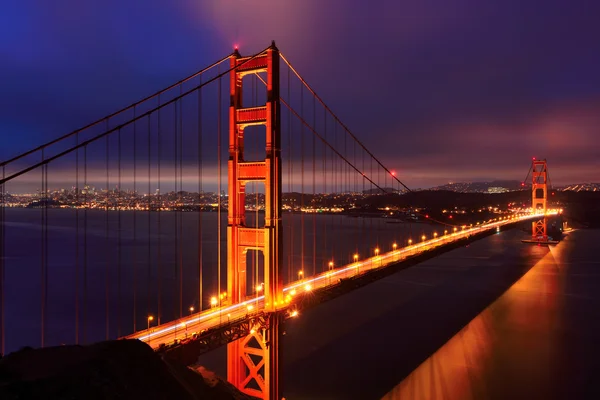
440 90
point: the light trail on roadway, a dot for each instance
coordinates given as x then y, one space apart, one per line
185 327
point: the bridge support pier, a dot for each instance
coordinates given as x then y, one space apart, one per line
253 361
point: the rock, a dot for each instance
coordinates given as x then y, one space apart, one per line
122 369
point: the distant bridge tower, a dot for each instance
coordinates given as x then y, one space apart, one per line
539 188
253 362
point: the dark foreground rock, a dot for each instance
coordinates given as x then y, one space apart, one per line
124 369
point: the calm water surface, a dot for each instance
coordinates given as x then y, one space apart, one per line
124 260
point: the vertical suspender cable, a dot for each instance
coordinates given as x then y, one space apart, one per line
135 206
180 204
85 247
219 189
314 193
176 212
160 204
77 241
42 256
107 246
324 251
290 185
314 215
302 182
200 197
119 249
148 261
46 242
2 257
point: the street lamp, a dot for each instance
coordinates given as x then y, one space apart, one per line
259 288
330 265
191 309
213 301
300 274
434 234
409 242
377 251
355 257
423 237
394 246
150 319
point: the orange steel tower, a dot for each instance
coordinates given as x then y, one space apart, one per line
539 188
253 362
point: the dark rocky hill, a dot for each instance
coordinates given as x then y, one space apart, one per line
124 369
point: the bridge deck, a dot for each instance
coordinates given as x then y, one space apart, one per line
252 307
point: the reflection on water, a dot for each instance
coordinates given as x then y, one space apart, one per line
511 349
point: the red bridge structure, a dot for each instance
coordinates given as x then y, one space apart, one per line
122 220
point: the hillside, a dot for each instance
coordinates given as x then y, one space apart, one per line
123 369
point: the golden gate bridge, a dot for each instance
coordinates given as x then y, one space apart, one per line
243 277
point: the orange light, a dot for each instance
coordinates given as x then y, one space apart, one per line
150 318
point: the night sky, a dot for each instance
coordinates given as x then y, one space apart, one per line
440 90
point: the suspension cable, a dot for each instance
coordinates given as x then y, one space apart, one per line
151 111
339 121
137 103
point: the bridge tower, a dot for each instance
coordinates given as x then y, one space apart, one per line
539 189
253 361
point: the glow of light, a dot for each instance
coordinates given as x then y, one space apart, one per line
307 287
213 301
250 307
294 313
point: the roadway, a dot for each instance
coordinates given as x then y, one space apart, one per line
207 319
